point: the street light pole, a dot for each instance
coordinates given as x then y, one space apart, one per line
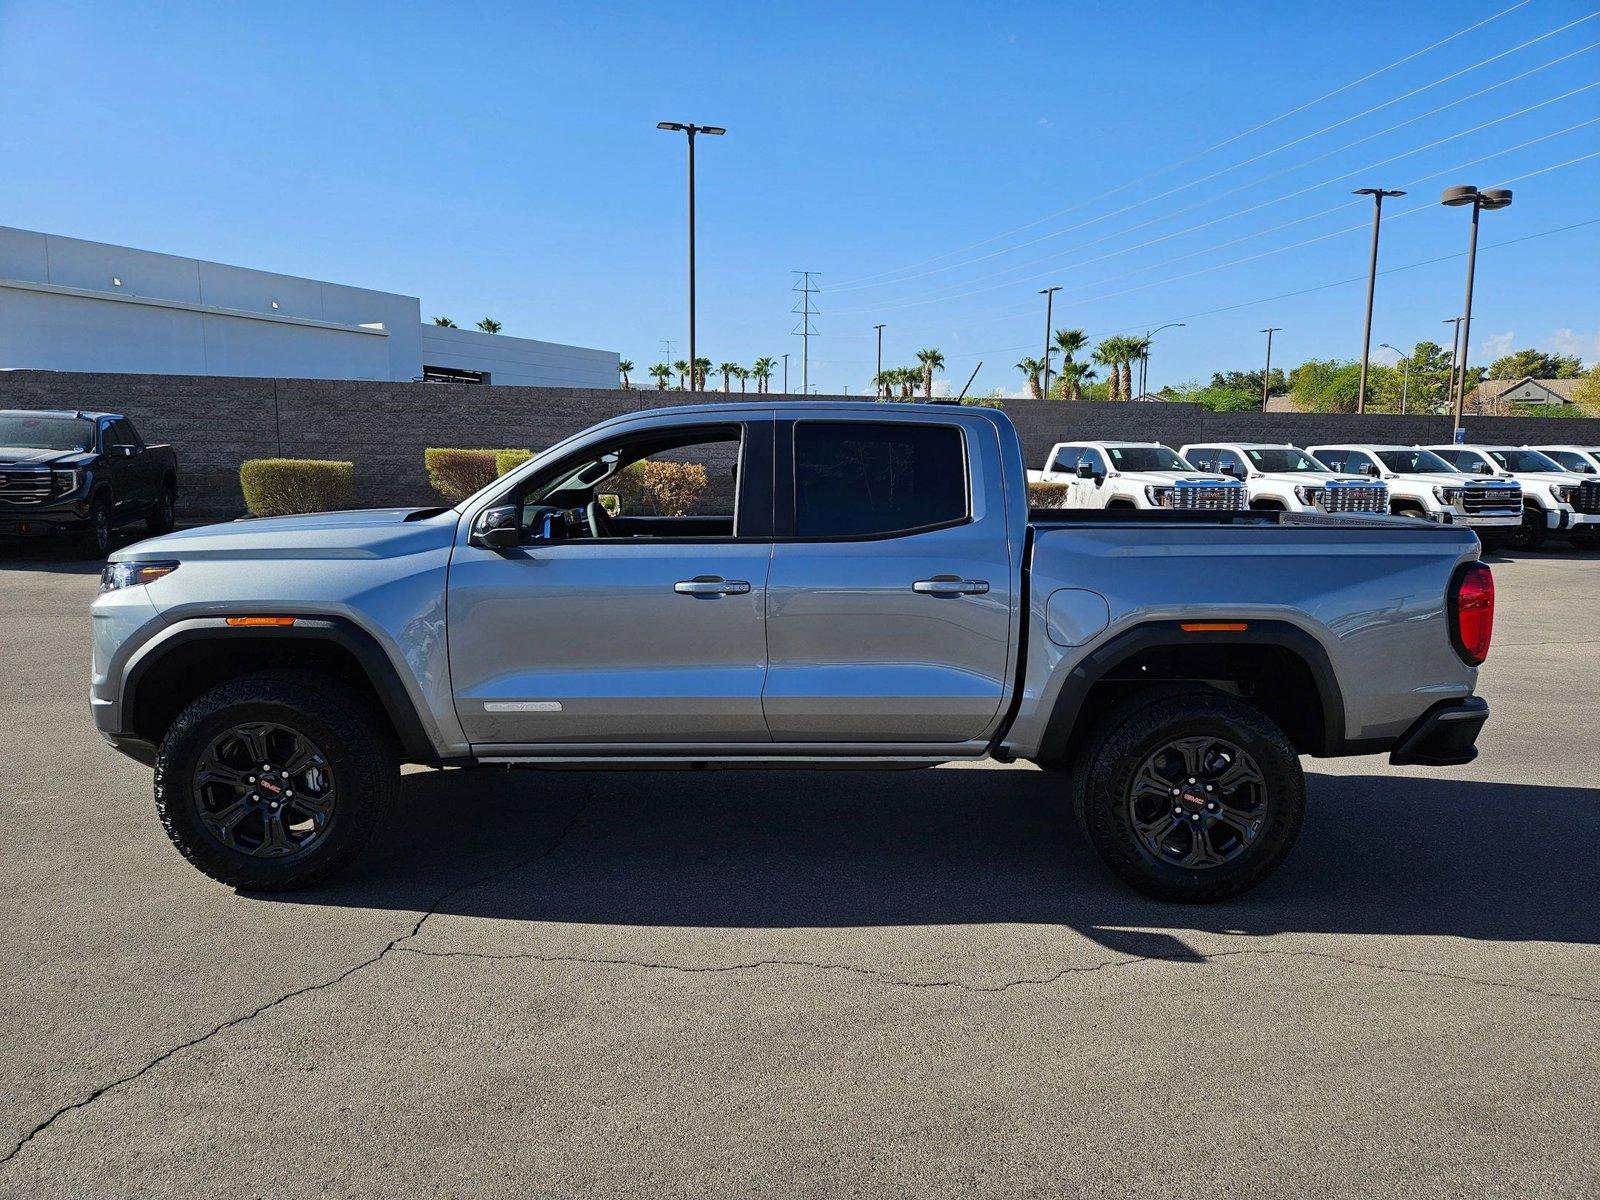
691 130
785 374
1455 356
1144 359
1049 295
1266 376
877 378
1377 195
1456 197
1405 377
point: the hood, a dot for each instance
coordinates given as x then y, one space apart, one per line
358 533
1205 477
20 456
1317 478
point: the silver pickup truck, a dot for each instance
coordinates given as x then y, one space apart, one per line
786 585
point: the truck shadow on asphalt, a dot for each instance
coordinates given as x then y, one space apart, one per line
1380 854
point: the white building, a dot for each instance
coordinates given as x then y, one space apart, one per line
72 305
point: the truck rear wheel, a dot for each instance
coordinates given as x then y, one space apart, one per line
273 782
1195 796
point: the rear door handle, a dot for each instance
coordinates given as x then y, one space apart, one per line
711 585
950 585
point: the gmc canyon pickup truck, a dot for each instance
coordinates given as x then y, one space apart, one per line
858 585
84 474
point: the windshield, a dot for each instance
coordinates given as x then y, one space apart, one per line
1287 459
1146 458
30 432
1524 460
1416 462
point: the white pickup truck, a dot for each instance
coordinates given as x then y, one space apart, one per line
1554 499
1283 478
1421 484
1582 460
1144 475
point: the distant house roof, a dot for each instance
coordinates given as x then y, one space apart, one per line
1498 393
1283 403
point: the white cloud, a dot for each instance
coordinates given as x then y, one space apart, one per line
1568 341
1496 345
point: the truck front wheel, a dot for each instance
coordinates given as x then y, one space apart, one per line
1195 796
275 781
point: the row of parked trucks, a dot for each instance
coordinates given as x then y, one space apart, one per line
1509 495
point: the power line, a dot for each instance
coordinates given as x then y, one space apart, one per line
864 281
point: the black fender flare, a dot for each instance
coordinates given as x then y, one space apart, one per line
340 631
1150 635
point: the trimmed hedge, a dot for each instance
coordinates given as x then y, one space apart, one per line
456 474
506 461
1047 495
277 487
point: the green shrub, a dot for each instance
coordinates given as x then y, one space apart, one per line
276 487
1047 495
662 489
456 474
506 461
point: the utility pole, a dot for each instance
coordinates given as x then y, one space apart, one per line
1377 195
1455 356
1144 359
1405 379
877 378
1049 295
1456 197
785 374
804 330
691 130
1266 376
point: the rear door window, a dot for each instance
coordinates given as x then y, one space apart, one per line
862 479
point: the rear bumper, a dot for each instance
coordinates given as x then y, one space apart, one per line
1444 736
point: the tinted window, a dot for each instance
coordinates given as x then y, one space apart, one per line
1066 459
853 479
1571 460
1415 462
1524 460
1204 457
1095 461
28 432
1228 459
1146 458
1455 458
1334 460
1284 461
122 434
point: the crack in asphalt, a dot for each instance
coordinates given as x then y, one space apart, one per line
963 985
335 981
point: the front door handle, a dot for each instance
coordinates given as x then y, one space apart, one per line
710 585
950 585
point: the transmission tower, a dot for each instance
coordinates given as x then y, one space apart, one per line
803 328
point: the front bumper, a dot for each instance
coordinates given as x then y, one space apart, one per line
1444 736
34 520
1492 520
1559 519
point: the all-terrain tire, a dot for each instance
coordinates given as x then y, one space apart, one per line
1122 743
95 541
162 518
353 740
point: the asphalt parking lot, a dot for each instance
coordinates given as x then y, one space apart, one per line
808 984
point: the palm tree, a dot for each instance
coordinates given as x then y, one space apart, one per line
682 368
742 374
1109 355
1138 348
1070 342
882 381
727 370
624 365
763 372
909 378
702 369
1074 374
1031 367
489 325
661 373
444 323
931 361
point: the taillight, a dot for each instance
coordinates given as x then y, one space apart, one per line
1472 612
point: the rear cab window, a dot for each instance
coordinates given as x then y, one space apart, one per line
859 479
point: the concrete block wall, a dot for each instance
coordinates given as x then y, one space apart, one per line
215 423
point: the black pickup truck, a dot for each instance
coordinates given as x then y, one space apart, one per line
83 474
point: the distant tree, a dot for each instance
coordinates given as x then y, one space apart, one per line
1075 373
742 374
1586 395
931 360
1031 369
489 325
1071 343
444 323
727 370
1249 381
661 373
763 372
1109 355
1537 363
624 365
702 371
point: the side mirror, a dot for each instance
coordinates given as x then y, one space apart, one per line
496 528
1372 469
125 450
1484 468
1085 470
611 502
1228 469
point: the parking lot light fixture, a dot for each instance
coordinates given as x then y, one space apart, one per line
1377 195
1460 197
691 129
1405 378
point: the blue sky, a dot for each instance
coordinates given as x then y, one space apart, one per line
503 160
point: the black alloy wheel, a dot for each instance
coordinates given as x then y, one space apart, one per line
1198 802
265 790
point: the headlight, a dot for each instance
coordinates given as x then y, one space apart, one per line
1563 492
1447 495
67 481
1161 496
117 575
1307 494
